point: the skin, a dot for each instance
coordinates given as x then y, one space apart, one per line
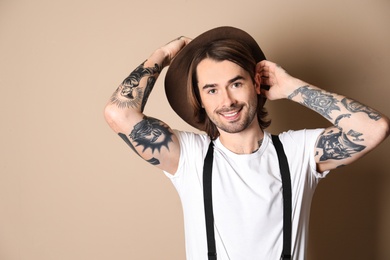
228 96
148 137
356 129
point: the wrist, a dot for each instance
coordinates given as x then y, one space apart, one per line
160 56
294 87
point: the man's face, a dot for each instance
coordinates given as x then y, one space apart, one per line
228 95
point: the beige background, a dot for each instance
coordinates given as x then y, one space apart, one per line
71 189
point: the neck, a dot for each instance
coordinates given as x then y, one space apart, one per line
245 142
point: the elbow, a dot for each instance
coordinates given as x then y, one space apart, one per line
386 126
382 130
121 119
111 115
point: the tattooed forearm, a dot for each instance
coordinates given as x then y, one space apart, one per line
119 100
130 94
151 133
336 122
337 146
133 80
356 135
354 107
317 100
148 90
296 92
152 161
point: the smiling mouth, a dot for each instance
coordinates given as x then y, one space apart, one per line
231 115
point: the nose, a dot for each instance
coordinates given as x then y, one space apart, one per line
227 98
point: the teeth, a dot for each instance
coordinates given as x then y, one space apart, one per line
230 114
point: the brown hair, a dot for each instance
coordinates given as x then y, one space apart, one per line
230 50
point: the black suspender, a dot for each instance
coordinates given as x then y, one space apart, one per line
287 204
208 202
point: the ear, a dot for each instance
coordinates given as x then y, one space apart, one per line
257 83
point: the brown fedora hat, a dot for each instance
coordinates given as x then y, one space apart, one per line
177 74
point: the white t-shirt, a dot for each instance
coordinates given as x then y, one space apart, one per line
247 196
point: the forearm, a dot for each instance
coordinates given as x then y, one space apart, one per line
127 103
356 130
134 91
148 137
357 127
333 106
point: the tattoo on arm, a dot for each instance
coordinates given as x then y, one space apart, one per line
151 133
127 141
337 146
317 100
356 135
152 161
129 94
336 122
354 107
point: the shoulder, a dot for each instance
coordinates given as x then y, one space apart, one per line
301 137
193 148
192 145
191 138
299 147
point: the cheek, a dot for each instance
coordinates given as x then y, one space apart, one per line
207 101
208 105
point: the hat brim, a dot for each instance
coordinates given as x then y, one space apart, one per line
177 74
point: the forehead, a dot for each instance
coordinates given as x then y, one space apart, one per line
210 71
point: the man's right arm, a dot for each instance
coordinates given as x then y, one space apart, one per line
150 138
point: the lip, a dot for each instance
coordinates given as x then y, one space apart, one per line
231 115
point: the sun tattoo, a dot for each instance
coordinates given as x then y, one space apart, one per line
152 134
123 102
153 161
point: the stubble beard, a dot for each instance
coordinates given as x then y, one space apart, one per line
245 120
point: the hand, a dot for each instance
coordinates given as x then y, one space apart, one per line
280 83
172 48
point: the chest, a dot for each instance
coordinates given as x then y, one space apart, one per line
247 188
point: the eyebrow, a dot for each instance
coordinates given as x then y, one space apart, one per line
229 82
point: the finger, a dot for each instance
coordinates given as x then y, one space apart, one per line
264 69
186 39
264 64
264 74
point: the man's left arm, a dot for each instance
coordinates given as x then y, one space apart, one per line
356 130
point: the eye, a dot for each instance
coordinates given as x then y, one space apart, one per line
236 84
212 91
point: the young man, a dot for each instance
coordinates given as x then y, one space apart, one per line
218 83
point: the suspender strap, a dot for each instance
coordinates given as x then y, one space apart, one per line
287 202
208 202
